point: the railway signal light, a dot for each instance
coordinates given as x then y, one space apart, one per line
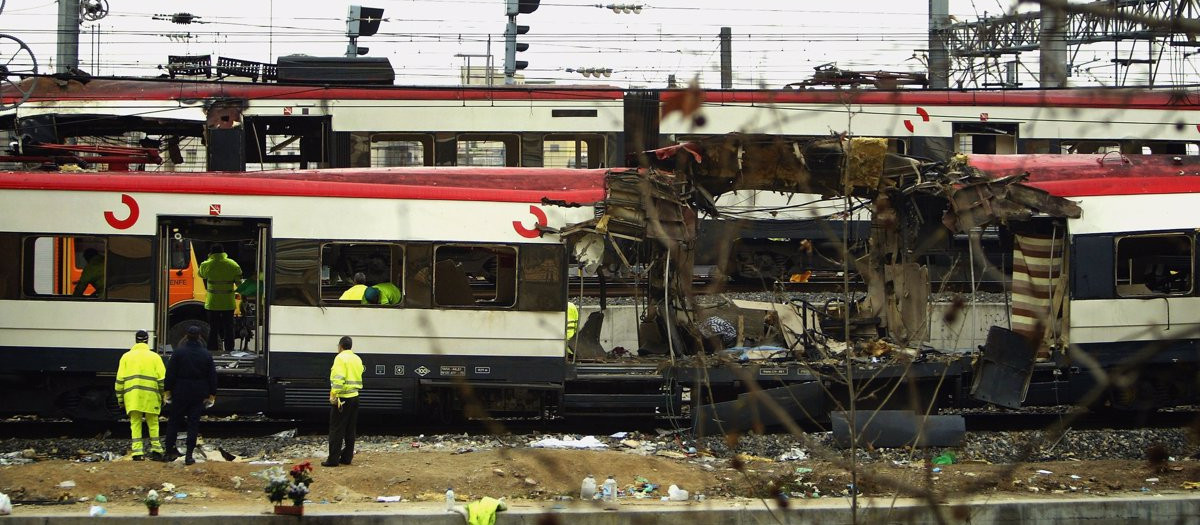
512 8
361 21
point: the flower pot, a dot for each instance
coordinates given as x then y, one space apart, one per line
153 510
290 510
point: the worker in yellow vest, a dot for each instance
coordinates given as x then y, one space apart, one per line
221 275
139 389
572 320
345 380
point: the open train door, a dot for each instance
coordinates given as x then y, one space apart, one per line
183 244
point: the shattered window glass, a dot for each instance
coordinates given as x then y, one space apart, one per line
1154 265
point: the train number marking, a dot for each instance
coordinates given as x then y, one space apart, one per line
481 370
531 233
773 371
399 370
127 222
422 371
214 209
380 370
453 371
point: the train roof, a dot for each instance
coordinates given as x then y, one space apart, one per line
532 185
51 89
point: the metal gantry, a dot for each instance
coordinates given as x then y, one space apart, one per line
1060 24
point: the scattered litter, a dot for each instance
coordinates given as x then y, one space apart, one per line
1187 485
945 458
803 470
168 487
101 499
530 481
1044 472
388 499
237 481
586 442
795 454
5 505
677 494
619 435
463 450
498 472
290 433
96 511
181 495
671 454
1073 476
937 469
1151 480
266 462
68 484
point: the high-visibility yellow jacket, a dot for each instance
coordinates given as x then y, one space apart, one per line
353 293
483 512
345 378
221 274
572 320
140 377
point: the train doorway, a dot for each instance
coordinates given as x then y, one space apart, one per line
183 244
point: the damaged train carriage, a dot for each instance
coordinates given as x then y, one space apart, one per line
1077 265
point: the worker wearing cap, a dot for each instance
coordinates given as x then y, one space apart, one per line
139 388
345 379
221 275
191 384
382 293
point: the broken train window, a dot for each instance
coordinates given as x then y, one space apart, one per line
474 275
1156 264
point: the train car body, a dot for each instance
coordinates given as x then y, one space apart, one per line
234 126
484 289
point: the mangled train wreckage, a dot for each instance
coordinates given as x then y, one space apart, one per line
479 329
1102 290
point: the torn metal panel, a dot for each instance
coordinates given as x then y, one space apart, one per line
897 428
804 402
586 342
907 304
1003 371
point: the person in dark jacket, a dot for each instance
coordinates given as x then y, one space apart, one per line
190 386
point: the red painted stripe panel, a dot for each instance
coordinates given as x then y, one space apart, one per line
1120 186
132 89
584 186
1065 167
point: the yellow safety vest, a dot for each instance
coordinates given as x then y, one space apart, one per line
572 320
345 378
140 377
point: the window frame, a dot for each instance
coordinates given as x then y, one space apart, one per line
1130 291
477 304
426 140
394 274
595 143
28 278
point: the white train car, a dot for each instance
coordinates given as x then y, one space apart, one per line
483 278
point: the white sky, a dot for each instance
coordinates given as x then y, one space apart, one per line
774 42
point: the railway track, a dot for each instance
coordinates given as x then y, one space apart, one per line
981 421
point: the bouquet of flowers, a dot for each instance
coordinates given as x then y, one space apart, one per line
292 484
151 500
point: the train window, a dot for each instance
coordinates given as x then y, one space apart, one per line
64 266
1088 147
987 138
393 149
483 276
573 151
488 150
130 268
349 269
1158 264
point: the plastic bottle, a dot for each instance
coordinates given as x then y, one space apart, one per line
587 490
450 499
609 489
